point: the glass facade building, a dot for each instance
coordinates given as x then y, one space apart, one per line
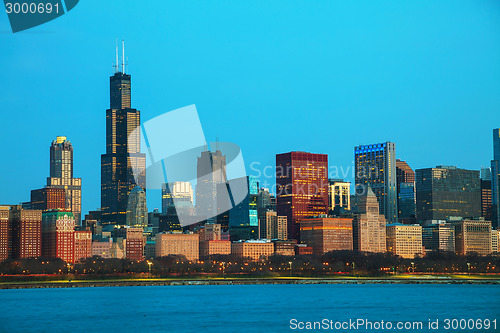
243 218
302 187
447 191
375 166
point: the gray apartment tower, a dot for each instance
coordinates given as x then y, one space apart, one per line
375 166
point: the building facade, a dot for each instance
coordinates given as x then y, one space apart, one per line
325 234
375 166
61 176
175 192
211 180
438 236
123 166
243 218
339 194
495 179
447 191
187 245
4 232
25 233
58 235
472 236
211 247
369 232
48 198
253 249
404 240
137 209
83 245
302 187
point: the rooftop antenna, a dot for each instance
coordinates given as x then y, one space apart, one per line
123 56
116 63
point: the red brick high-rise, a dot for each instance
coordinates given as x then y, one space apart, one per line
302 187
48 198
4 232
58 235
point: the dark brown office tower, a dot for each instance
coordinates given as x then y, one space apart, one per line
26 232
48 198
405 186
4 232
486 200
302 187
123 156
404 174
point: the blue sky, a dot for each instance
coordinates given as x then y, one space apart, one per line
271 76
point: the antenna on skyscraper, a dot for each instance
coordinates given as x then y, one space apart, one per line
217 143
116 64
123 56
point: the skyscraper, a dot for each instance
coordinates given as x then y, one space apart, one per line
137 210
175 192
58 235
61 175
211 173
405 184
369 231
25 233
123 152
302 187
447 191
495 179
243 219
375 166
339 194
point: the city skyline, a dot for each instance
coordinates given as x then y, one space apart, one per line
446 96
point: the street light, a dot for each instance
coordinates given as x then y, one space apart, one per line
290 263
468 268
224 270
149 266
412 267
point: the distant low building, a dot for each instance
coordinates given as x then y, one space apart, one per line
404 240
325 234
253 249
472 236
438 236
83 244
176 243
494 241
102 247
284 247
211 247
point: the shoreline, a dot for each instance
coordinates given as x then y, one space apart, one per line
241 281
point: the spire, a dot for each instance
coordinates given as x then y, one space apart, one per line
116 63
123 56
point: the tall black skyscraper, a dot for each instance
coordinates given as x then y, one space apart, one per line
495 179
123 147
211 171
